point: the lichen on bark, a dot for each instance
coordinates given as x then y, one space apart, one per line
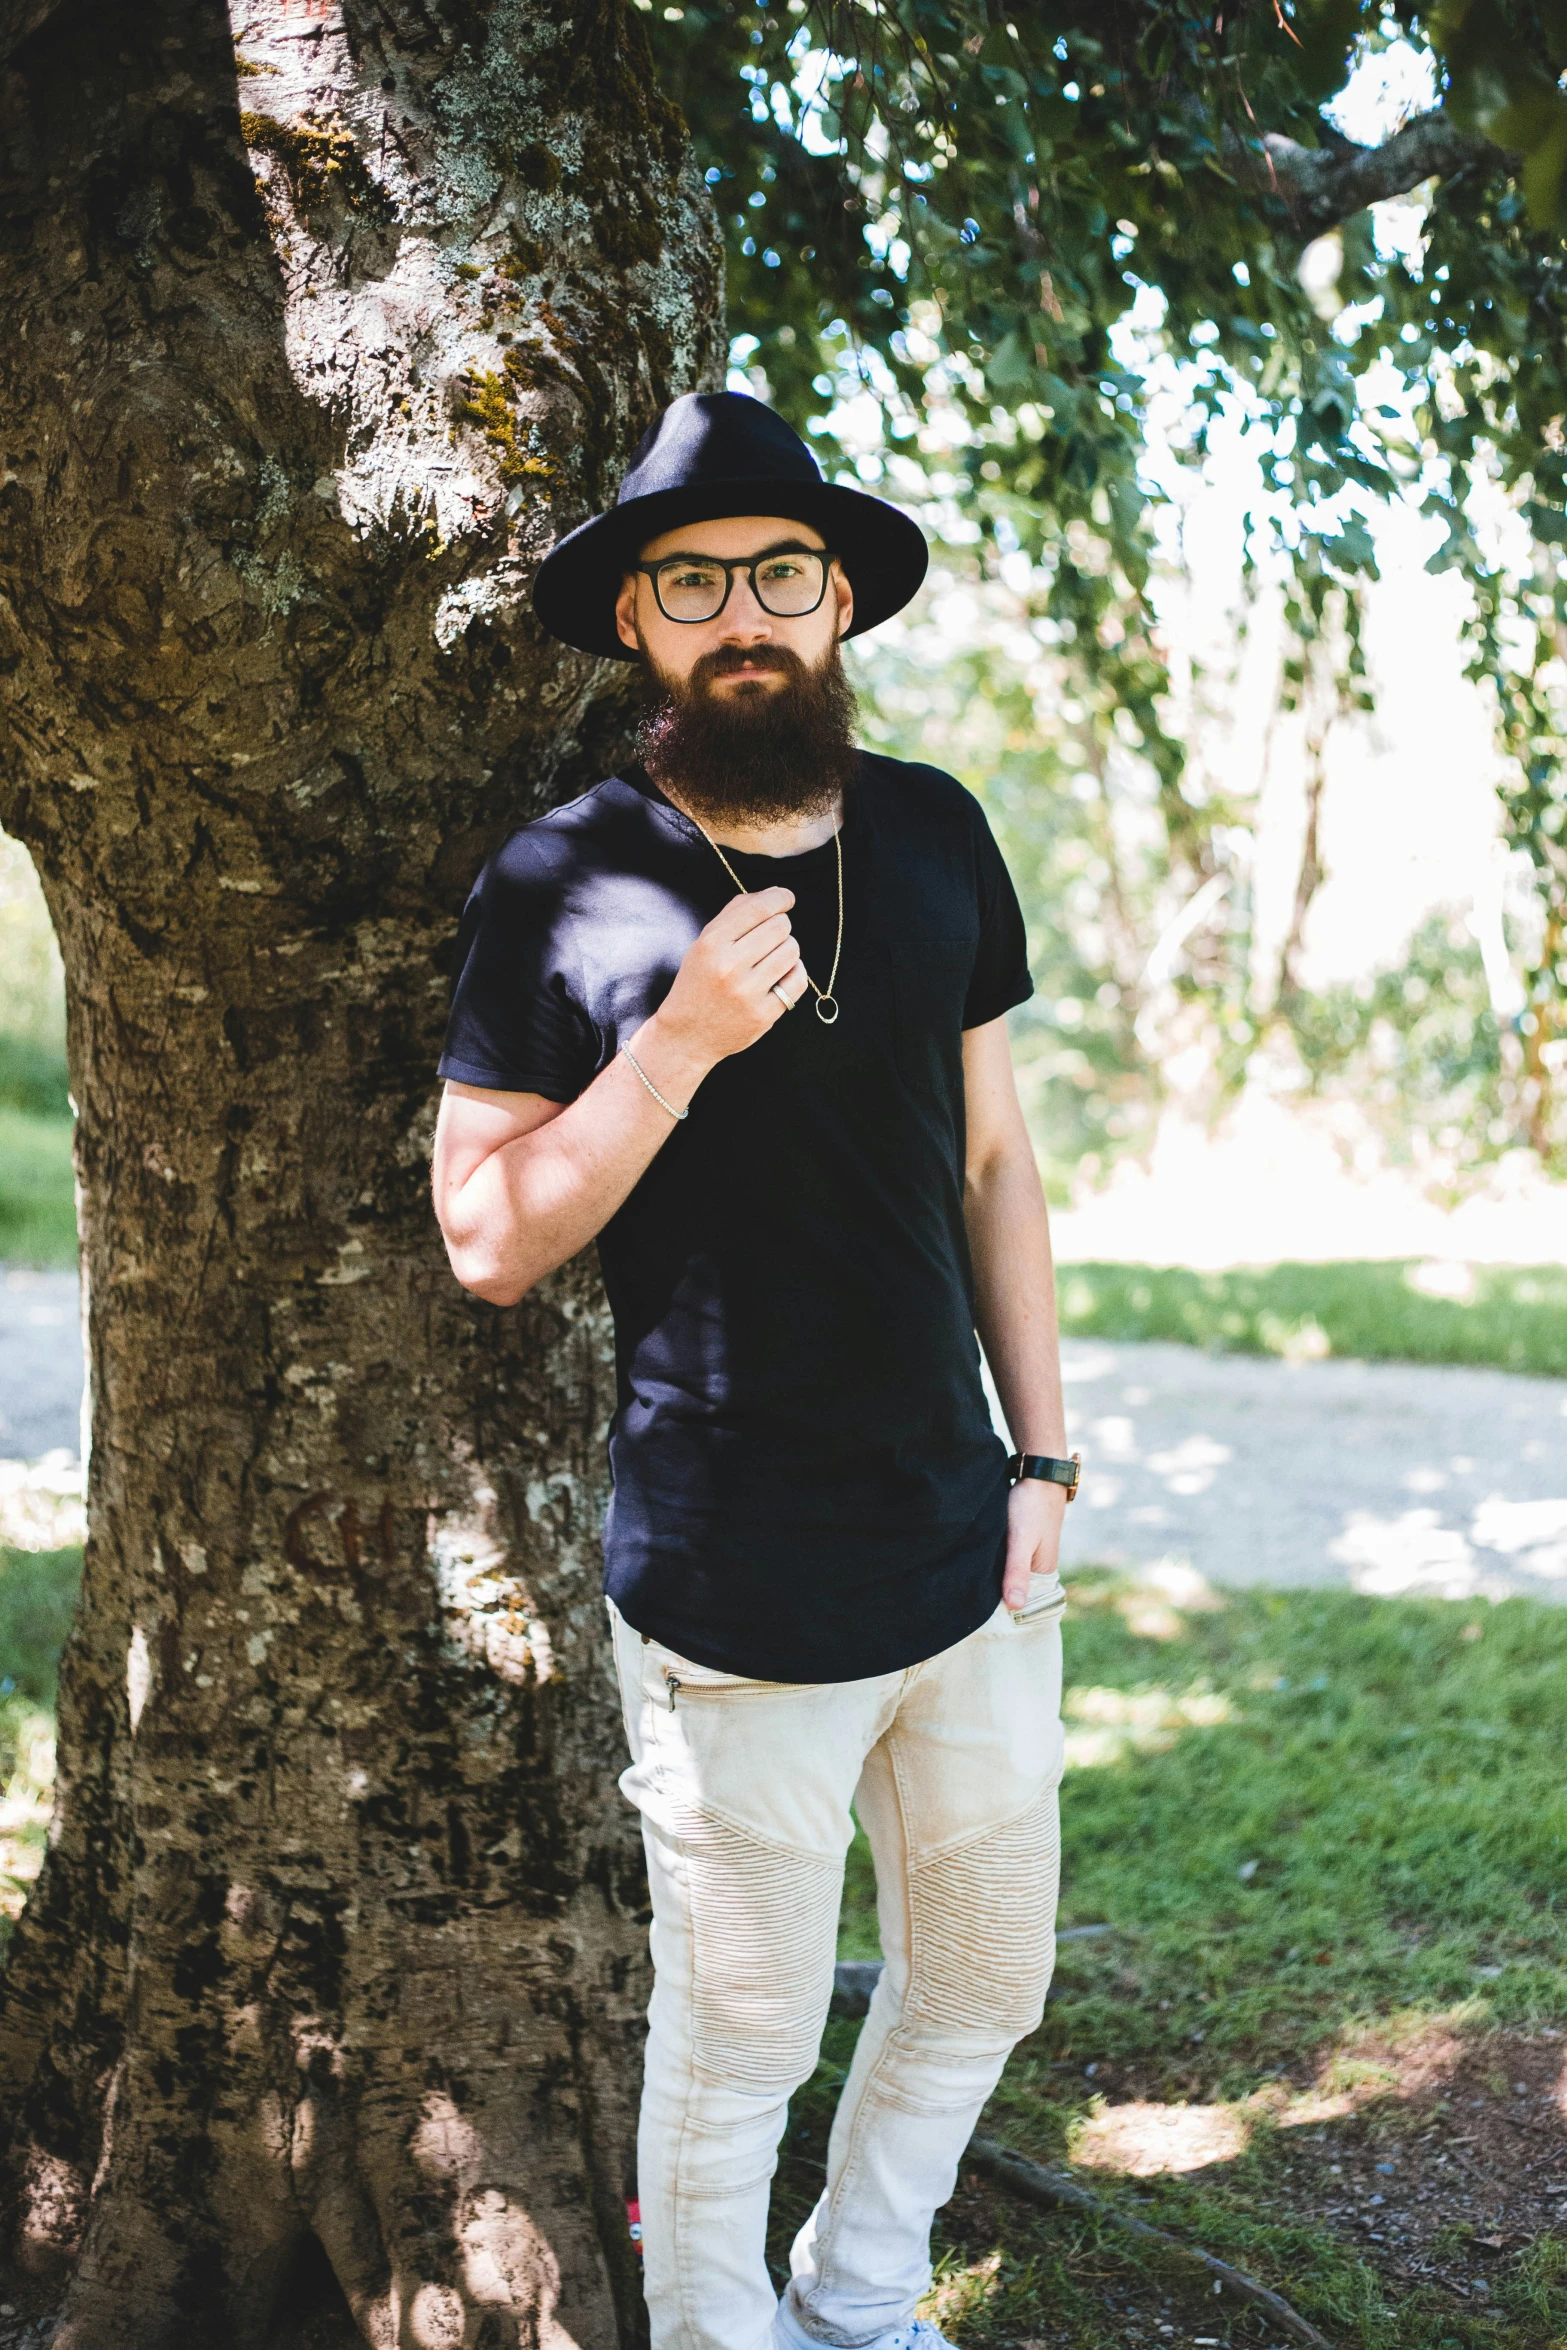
329 1991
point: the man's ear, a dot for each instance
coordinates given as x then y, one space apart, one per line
626 612
845 595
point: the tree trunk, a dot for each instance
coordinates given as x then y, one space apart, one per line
321 325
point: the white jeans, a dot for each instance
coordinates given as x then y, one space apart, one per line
744 1789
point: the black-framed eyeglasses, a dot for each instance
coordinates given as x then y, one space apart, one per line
788 582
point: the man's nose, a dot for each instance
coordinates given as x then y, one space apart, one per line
743 620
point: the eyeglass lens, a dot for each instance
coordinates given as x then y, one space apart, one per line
786 584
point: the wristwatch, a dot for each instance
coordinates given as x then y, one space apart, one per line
1052 1472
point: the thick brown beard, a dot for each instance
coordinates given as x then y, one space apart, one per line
758 754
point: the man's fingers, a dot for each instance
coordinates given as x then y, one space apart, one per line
744 914
748 953
1014 1583
778 965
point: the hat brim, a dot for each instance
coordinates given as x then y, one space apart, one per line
883 552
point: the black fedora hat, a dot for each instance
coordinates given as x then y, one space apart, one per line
713 454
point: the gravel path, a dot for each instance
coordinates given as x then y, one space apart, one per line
40 1363
1388 1477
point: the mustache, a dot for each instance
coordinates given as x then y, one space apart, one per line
724 660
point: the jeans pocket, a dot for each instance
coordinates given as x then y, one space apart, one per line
1045 1599
1043 1603
672 1677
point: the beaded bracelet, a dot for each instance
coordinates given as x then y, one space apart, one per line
652 1088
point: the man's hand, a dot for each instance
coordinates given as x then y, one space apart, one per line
722 998
1034 1514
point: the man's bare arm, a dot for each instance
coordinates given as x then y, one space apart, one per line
522 1183
1014 1293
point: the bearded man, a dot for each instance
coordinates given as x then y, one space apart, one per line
738 1015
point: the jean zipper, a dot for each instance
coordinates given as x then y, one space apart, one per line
673 1683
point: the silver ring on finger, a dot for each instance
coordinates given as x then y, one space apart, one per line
787 1001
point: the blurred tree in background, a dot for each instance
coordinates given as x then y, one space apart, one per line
954 212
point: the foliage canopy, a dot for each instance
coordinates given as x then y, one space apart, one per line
962 205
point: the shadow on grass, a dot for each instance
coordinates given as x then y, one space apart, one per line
1325 2038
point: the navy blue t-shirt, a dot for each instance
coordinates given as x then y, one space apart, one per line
807 1486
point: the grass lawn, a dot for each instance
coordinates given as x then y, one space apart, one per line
1324 2037
1512 1316
37 1594
37 1190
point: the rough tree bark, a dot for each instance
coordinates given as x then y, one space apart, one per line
321 323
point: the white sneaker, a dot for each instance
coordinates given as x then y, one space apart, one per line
918 2334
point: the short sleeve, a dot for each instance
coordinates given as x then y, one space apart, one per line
1001 975
517 1022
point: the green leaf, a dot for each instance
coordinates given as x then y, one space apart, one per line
1547 523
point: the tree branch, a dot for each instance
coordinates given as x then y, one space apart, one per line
1320 186
1057 2192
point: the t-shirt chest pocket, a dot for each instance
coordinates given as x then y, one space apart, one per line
930 982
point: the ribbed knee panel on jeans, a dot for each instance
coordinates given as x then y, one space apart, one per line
982 1929
764 1926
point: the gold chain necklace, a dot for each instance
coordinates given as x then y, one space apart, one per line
826 1001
